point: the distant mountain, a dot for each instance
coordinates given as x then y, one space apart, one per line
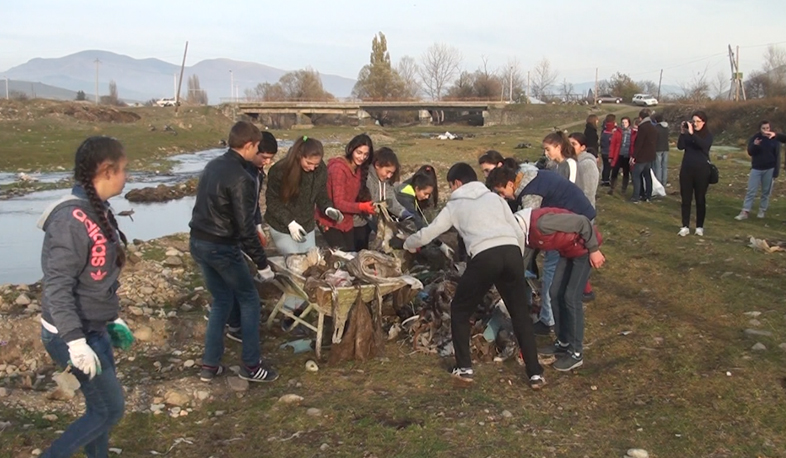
39 90
144 79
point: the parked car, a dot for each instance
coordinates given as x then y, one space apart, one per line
165 102
608 98
644 100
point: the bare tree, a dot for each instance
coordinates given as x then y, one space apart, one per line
543 77
775 64
566 90
696 90
438 66
113 98
407 69
196 95
720 85
512 80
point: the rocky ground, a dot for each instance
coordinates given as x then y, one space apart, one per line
162 192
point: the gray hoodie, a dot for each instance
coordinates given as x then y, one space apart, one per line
588 175
481 217
80 270
381 191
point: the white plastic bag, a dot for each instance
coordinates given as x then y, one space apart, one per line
657 187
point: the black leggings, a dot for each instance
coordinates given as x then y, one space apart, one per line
604 176
623 163
694 182
361 236
344 241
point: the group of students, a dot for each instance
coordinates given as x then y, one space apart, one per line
83 253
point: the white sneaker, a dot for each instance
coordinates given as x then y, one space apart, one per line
683 232
760 214
700 231
743 215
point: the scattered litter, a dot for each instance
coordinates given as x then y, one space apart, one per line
311 366
449 136
626 333
766 247
298 346
178 441
728 373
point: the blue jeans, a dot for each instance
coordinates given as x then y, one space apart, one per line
550 260
642 176
103 399
661 166
228 279
758 178
566 291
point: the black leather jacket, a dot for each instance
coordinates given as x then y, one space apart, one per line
225 206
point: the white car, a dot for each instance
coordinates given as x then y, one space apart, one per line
165 102
645 100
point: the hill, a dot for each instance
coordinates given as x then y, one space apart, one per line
39 90
143 79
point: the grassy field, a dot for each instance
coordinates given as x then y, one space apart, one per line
667 366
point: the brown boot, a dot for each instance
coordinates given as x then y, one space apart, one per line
611 187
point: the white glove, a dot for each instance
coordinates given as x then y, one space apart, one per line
84 358
297 232
447 251
266 274
334 214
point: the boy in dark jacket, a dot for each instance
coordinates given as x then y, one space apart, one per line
662 150
495 245
591 133
764 150
642 157
578 244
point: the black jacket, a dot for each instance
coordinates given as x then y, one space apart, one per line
697 149
593 142
765 155
313 193
646 141
663 137
224 208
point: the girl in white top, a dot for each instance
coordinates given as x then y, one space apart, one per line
558 149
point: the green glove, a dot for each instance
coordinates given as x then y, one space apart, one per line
120 334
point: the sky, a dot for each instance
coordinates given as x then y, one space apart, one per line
684 38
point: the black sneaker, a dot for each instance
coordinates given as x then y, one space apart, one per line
588 297
557 349
465 374
542 329
235 334
568 362
261 373
536 382
208 373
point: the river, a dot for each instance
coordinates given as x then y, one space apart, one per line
20 239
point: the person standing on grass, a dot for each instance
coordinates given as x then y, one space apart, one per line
578 243
662 150
620 152
587 180
268 147
81 259
696 140
609 124
495 245
642 157
296 185
222 229
532 188
557 148
591 135
765 151
347 189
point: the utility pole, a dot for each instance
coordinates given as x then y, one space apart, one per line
595 92
739 75
511 84
180 81
174 86
528 94
660 80
231 86
736 76
97 62
6 88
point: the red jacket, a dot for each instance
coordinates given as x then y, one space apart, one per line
569 244
616 144
343 186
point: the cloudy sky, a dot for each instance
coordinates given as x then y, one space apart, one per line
637 38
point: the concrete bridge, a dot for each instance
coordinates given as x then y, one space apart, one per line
429 111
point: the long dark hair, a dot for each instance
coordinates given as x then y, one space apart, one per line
364 195
90 156
561 140
494 158
704 131
385 157
424 177
304 147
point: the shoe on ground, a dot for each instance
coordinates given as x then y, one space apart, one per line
542 329
588 297
568 362
683 232
208 373
743 215
465 374
536 382
700 231
261 373
557 349
634 201
235 334
760 214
